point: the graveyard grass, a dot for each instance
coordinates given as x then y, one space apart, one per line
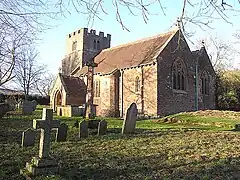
199 145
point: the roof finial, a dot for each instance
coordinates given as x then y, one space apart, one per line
203 43
178 24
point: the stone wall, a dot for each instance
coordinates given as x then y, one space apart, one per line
81 46
146 97
172 101
207 101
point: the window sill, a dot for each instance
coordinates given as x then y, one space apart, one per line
179 91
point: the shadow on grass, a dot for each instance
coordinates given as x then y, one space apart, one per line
155 167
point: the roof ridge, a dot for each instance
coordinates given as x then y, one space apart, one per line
140 40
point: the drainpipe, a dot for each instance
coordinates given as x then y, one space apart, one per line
196 83
122 92
142 89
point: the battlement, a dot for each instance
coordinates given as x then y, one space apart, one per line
86 31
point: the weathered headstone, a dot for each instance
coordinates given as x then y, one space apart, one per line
61 134
34 104
12 104
44 164
27 107
83 129
102 127
4 108
129 122
28 137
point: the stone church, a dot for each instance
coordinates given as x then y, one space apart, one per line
160 74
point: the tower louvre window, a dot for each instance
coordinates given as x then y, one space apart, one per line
74 45
94 44
98 45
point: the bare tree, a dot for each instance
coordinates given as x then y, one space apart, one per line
221 53
27 71
10 47
44 85
20 20
205 11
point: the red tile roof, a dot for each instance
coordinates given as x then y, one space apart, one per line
74 85
129 55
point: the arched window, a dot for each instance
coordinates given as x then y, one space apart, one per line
94 44
98 45
179 81
205 83
137 84
96 88
74 45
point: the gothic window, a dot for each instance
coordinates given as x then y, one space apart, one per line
137 84
97 88
205 83
74 45
98 45
179 75
94 44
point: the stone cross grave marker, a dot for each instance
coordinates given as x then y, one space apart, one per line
129 122
83 129
45 124
102 127
28 137
61 134
44 164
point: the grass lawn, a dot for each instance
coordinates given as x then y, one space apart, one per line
198 145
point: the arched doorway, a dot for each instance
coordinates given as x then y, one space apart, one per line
57 100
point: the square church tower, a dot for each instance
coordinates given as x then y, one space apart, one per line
81 46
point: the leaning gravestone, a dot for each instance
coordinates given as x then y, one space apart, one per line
83 129
61 134
27 107
28 137
43 164
129 122
102 127
4 108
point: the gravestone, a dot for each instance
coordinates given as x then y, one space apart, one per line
83 129
28 137
61 134
129 122
34 104
4 108
102 127
43 164
12 104
27 107
237 127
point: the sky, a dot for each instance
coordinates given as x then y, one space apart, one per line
52 45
